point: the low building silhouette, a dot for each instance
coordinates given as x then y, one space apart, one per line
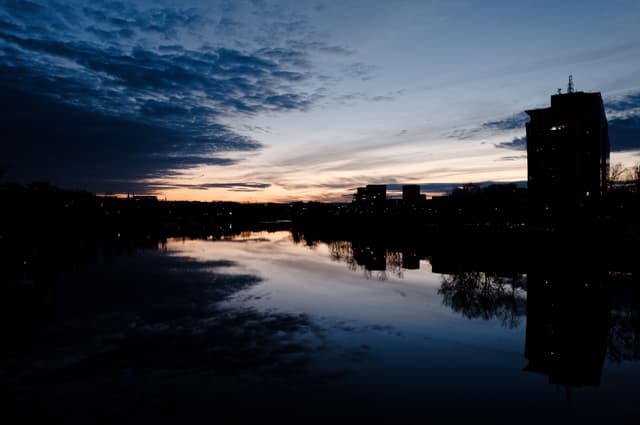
372 196
410 192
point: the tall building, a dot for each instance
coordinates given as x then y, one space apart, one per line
568 153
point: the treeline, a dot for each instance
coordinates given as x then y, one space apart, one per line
623 178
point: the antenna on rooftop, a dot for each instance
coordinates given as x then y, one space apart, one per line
570 86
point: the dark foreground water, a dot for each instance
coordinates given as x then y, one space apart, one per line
261 327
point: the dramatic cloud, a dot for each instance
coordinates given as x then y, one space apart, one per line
519 144
628 102
107 93
624 134
46 139
491 128
512 122
624 121
244 187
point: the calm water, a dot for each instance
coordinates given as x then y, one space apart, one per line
260 325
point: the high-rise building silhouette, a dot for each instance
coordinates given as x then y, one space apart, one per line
568 153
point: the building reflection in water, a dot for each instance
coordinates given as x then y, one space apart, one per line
567 322
410 260
624 319
373 258
578 313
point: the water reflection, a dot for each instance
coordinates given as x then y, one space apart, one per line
567 322
431 325
624 320
139 332
480 295
373 259
578 312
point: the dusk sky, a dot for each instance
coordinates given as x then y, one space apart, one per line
291 100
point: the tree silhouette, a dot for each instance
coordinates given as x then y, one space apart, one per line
616 171
635 175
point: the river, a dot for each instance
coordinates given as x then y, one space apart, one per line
266 325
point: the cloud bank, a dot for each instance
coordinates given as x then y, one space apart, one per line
107 94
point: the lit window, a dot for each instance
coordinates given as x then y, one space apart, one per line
557 127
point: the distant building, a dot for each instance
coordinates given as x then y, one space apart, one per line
410 192
372 196
360 196
568 152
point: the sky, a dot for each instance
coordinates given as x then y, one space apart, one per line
277 101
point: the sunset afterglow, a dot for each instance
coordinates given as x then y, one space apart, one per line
283 101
